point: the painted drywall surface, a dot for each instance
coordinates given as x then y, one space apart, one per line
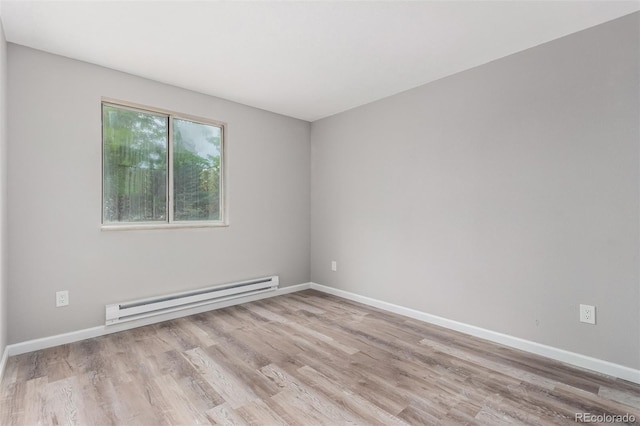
55 198
501 197
3 191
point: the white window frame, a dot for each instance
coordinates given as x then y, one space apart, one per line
170 222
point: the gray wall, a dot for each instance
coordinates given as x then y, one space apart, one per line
55 199
3 191
501 197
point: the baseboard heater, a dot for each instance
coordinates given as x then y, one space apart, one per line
137 309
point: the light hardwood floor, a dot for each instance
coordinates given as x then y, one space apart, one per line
305 358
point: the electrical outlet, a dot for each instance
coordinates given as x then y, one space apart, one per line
62 298
334 265
588 314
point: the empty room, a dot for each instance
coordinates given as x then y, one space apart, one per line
319 213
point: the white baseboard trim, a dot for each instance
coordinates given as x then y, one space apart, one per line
567 357
88 333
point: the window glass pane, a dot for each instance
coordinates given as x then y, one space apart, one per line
196 170
134 165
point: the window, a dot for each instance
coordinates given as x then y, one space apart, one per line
160 168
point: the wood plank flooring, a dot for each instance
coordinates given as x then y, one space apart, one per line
302 359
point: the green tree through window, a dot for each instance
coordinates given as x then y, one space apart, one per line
196 171
140 185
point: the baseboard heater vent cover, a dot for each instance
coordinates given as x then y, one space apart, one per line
137 309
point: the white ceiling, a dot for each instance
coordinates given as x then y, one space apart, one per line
303 59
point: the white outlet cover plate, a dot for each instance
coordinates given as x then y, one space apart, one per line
588 314
62 298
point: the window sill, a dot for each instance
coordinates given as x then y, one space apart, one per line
141 226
